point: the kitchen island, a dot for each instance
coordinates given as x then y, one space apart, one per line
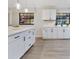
20 39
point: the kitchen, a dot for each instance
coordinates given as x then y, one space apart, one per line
38 29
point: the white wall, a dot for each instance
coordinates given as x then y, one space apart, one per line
13 17
9 17
61 5
38 22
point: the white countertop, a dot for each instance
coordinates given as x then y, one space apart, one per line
55 26
14 30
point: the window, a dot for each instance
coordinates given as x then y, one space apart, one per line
63 19
26 18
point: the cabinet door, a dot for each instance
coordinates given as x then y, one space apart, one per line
12 51
46 14
54 33
46 33
60 33
53 14
29 38
16 48
66 32
21 47
27 41
33 36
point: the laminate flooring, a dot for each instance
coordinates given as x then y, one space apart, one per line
49 49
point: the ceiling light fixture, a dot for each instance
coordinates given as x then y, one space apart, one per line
18 5
26 10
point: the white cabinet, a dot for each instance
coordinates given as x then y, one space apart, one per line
66 32
46 33
56 33
19 43
29 38
53 33
60 32
49 33
46 14
32 36
16 47
49 14
53 14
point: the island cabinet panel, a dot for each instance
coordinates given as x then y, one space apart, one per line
19 43
16 47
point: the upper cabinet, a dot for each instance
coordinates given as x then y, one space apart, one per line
53 14
49 14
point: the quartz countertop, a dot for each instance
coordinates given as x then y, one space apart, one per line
13 30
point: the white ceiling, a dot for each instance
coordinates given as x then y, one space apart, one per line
40 3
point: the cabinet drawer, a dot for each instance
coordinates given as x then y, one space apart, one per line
15 37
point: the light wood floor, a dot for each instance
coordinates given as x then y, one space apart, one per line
49 49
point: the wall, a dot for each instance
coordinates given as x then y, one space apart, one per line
13 17
9 17
38 22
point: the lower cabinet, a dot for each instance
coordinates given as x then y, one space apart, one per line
20 43
46 33
53 33
29 39
66 33
16 47
60 33
56 33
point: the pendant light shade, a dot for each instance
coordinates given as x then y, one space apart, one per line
26 10
18 5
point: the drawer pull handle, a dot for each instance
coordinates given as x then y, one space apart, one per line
29 44
24 38
17 37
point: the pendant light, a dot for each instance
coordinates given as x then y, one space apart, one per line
18 5
26 10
